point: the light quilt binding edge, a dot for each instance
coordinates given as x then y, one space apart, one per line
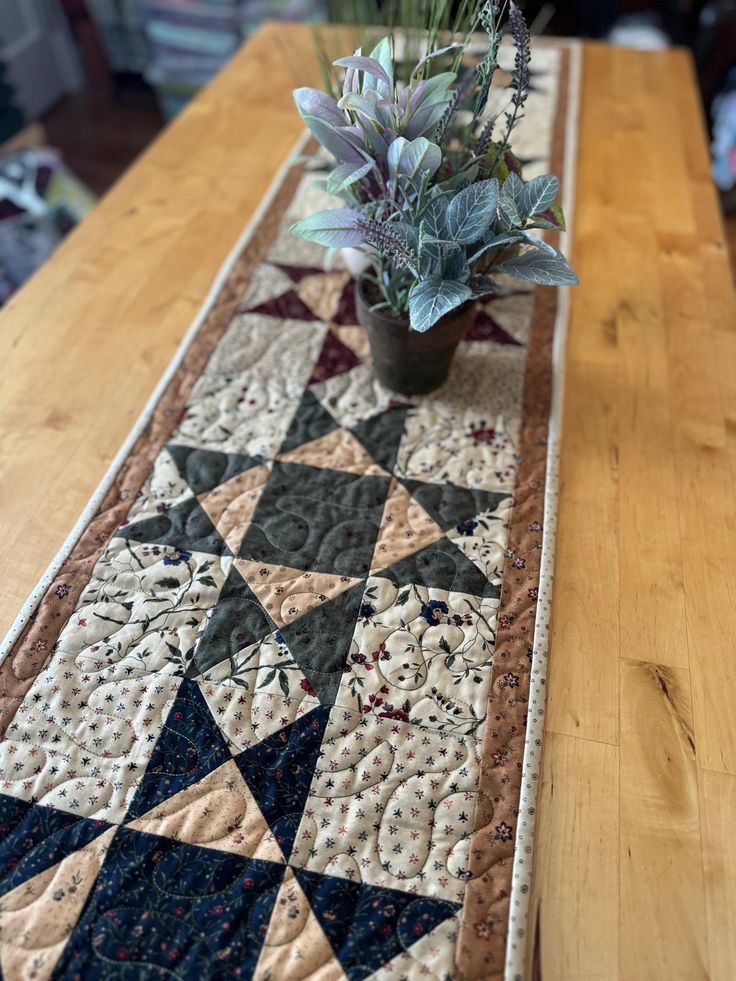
522 868
518 945
39 590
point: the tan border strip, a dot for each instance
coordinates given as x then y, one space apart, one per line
482 943
39 624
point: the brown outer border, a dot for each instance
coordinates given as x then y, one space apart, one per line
481 948
32 650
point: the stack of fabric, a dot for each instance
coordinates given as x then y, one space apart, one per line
190 40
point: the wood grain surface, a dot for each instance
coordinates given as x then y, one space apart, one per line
636 861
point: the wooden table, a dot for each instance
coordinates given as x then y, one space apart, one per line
636 854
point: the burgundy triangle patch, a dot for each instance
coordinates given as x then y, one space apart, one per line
288 306
297 273
486 328
345 313
335 359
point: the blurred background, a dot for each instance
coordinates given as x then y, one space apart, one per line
85 85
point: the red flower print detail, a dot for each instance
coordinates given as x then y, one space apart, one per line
532 593
483 434
62 590
397 714
483 930
307 687
505 621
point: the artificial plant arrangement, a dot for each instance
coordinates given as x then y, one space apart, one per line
432 189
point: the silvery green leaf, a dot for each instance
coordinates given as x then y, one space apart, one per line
335 228
461 179
432 298
552 217
456 266
538 194
495 242
361 103
408 159
471 211
346 174
362 63
338 141
434 218
383 54
312 102
546 266
508 211
425 119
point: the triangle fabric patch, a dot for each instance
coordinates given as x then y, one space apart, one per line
335 358
36 837
339 450
368 926
205 469
38 916
231 506
485 328
320 640
345 312
186 527
237 621
322 292
440 565
310 422
381 434
451 506
287 306
279 771
405 528
296 946
177 909
355 337
286 593
189 747
219 812
297 273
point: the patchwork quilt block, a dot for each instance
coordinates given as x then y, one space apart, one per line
268 720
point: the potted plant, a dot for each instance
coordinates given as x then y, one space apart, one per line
433 193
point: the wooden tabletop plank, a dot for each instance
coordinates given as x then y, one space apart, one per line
639 784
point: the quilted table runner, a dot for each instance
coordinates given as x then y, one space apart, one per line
276 710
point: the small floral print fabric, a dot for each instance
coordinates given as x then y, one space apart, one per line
274 722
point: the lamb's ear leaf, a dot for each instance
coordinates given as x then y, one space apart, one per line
537 194
331 138
313 102
540 265
346 174
384 55
362 63
430 299
471 211
335 228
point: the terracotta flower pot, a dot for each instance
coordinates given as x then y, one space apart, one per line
404 360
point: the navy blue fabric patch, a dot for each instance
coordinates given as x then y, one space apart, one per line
163 909
368 925
190 746
34 837
279 773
